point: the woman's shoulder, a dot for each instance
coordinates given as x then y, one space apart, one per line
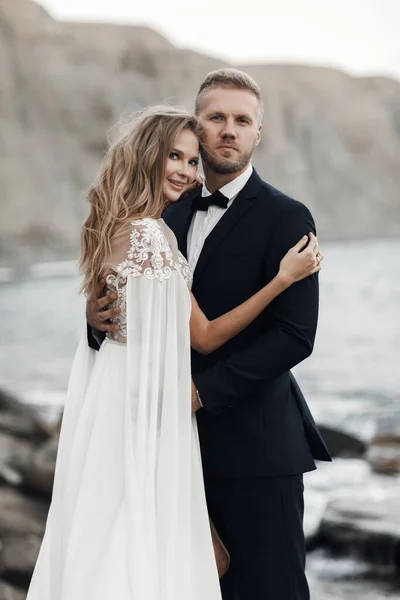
146 228
140 221
134 230
134 238
150 242
147 246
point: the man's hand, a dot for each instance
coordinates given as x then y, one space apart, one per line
195 399
97 314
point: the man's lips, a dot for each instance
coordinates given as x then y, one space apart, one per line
227 148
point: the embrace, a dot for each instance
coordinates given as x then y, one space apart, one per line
185 436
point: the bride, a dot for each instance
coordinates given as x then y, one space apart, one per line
128 518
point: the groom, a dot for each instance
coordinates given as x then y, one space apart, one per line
257 434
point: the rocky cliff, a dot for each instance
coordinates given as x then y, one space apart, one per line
330 140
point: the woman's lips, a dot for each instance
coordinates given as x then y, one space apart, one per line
179 185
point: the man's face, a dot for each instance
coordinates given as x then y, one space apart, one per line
231 131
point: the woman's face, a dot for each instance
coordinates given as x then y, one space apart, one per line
181 167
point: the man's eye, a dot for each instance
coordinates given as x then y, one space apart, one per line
216 118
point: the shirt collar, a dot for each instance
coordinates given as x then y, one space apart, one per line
231 189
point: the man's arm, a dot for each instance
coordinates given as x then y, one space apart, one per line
98 317
285 344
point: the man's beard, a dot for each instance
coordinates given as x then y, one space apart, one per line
225 166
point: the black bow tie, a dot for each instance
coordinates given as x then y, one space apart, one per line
216 199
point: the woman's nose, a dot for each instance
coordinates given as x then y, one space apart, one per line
183 169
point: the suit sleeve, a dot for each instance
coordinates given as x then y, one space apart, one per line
286 343
94 338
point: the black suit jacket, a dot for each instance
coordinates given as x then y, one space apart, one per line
255 421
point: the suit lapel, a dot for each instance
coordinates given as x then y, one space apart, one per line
231 217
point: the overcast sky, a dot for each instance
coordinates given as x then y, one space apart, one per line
360 36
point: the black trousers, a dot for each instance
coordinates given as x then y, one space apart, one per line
260 521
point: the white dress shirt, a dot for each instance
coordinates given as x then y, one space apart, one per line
204 221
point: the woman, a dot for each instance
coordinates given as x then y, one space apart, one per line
128 518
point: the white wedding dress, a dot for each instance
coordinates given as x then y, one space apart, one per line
128 518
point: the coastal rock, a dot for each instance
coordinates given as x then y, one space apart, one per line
20 420
341 443
7 592
336 494
21 515
366 525
18 558
384 454
38 474
22 523
13 451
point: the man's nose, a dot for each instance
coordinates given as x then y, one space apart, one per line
229 130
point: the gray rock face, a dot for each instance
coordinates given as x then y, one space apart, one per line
384 454
330 140
370 526
9 593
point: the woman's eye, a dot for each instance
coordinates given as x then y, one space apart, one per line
194 162
173 155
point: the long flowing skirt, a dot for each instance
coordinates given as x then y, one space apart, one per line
128 518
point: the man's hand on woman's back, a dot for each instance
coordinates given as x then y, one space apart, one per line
98 314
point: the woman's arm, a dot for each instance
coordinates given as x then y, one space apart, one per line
206 336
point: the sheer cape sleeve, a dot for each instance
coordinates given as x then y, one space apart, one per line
161 453
158 410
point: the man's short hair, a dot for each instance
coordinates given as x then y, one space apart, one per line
230 78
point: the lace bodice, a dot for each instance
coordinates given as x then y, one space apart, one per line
147 249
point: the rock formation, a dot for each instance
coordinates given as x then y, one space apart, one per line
330 140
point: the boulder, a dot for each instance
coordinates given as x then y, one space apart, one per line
7 592
38 474
18 557
349 481
13 451
340 443
22 523
367 525
20 420
384 454
21 515
346 578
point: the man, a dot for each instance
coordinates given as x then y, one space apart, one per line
256 432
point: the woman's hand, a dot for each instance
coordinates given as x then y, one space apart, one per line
301 261
221 555
195 399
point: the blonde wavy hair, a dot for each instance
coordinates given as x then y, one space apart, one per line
129 184
230 78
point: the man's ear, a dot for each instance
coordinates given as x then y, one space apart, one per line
258 135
